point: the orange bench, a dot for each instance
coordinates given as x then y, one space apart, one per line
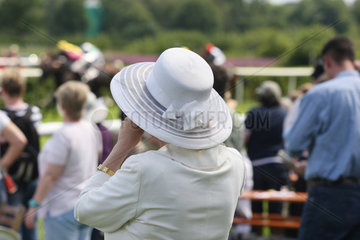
270 220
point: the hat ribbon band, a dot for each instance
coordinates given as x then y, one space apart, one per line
194 115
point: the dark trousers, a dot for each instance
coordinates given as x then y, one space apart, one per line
269 176
331 212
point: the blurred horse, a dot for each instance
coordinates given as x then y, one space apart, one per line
61 68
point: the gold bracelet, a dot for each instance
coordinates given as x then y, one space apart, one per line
106 170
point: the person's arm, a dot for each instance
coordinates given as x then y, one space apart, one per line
302 133
46 182
17 142
107 198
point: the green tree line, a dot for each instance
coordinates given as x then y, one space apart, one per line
293 33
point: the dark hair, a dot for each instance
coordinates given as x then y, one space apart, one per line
339 49
221 79
13 83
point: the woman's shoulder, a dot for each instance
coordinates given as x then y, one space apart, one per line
231 152
70 129
144 157
144 163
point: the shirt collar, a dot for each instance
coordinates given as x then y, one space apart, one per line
348 73
206 159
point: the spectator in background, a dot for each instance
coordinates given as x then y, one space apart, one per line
66 161
13 87
263 139
214 55
329 127
216 59
27 117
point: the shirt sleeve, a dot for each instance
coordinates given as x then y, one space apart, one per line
4 121
57 149
107 203
302 133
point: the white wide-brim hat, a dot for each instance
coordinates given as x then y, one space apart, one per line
173 100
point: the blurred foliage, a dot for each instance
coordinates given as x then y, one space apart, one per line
308 44
192 39
67 24
201 15
18 17
293 33
326 12
128 19
355 10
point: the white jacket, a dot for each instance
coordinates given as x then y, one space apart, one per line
172 193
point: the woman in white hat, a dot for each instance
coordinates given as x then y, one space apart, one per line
189 188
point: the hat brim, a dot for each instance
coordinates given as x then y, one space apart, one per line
132 96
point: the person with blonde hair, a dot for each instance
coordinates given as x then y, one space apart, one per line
66 161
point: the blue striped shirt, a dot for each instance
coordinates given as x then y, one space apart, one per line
329 126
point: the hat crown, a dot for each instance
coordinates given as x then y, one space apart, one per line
180 76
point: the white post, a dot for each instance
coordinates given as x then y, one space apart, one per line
239 89
291 85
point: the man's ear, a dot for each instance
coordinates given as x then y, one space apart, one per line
327 61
